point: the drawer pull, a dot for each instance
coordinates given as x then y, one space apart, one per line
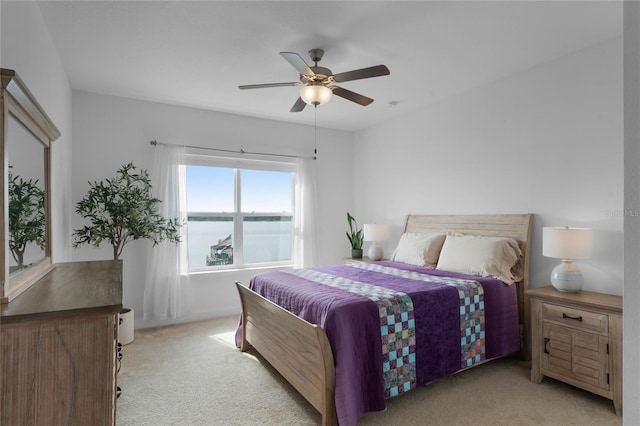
546 342
570 317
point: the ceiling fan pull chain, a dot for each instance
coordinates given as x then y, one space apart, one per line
315 131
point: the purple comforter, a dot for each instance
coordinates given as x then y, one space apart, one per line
352 323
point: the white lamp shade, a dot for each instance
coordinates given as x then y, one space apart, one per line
316 94
375 232
567 243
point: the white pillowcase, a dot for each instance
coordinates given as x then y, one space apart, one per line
419 249
484 256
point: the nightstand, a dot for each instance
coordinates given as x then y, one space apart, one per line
577 338
364 259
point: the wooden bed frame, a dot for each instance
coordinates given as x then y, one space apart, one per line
301 352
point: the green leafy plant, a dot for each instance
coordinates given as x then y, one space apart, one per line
122 209
26 216
354 234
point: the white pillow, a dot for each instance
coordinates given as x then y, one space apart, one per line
419 249
484 256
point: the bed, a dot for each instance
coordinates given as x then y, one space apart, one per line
348 337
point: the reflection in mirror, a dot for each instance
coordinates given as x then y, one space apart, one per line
26 185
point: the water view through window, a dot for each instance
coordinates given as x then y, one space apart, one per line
266 216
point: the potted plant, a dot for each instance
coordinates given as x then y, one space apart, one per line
121 210
26 216
355 237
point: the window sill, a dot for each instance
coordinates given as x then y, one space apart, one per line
241 269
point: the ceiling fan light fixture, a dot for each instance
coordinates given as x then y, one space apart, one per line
316 94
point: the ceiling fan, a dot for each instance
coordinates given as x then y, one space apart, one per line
318 82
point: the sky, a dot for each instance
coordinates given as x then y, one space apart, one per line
210 189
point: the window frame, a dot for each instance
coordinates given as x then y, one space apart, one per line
238 164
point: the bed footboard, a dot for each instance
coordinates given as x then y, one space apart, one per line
299 350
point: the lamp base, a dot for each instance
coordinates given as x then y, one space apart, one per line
566 277
375 251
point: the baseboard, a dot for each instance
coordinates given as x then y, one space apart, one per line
190 317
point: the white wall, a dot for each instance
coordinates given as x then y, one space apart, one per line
111 131
27 48
631 359
548 141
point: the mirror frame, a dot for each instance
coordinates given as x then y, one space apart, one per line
17 100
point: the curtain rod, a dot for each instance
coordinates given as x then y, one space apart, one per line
241 151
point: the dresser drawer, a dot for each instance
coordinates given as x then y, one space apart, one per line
579 318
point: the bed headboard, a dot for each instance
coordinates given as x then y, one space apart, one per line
516 226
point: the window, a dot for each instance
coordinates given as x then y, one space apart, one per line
240 213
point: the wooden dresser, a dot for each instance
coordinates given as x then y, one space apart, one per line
577 338
58 342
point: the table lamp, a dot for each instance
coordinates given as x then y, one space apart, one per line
375 232
567 244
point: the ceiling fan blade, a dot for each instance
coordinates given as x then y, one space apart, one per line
298 63
377 71
351 96
262 86
298 106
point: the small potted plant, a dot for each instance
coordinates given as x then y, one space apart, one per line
355 237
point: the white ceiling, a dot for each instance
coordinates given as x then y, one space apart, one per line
196 53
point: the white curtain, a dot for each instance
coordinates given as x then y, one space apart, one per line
167 268
305 239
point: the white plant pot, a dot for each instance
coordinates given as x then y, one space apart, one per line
125 327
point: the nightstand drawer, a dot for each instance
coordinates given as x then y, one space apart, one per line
578 318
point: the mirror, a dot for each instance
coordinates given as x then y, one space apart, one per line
25 138
26 187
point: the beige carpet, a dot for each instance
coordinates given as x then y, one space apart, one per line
192 374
